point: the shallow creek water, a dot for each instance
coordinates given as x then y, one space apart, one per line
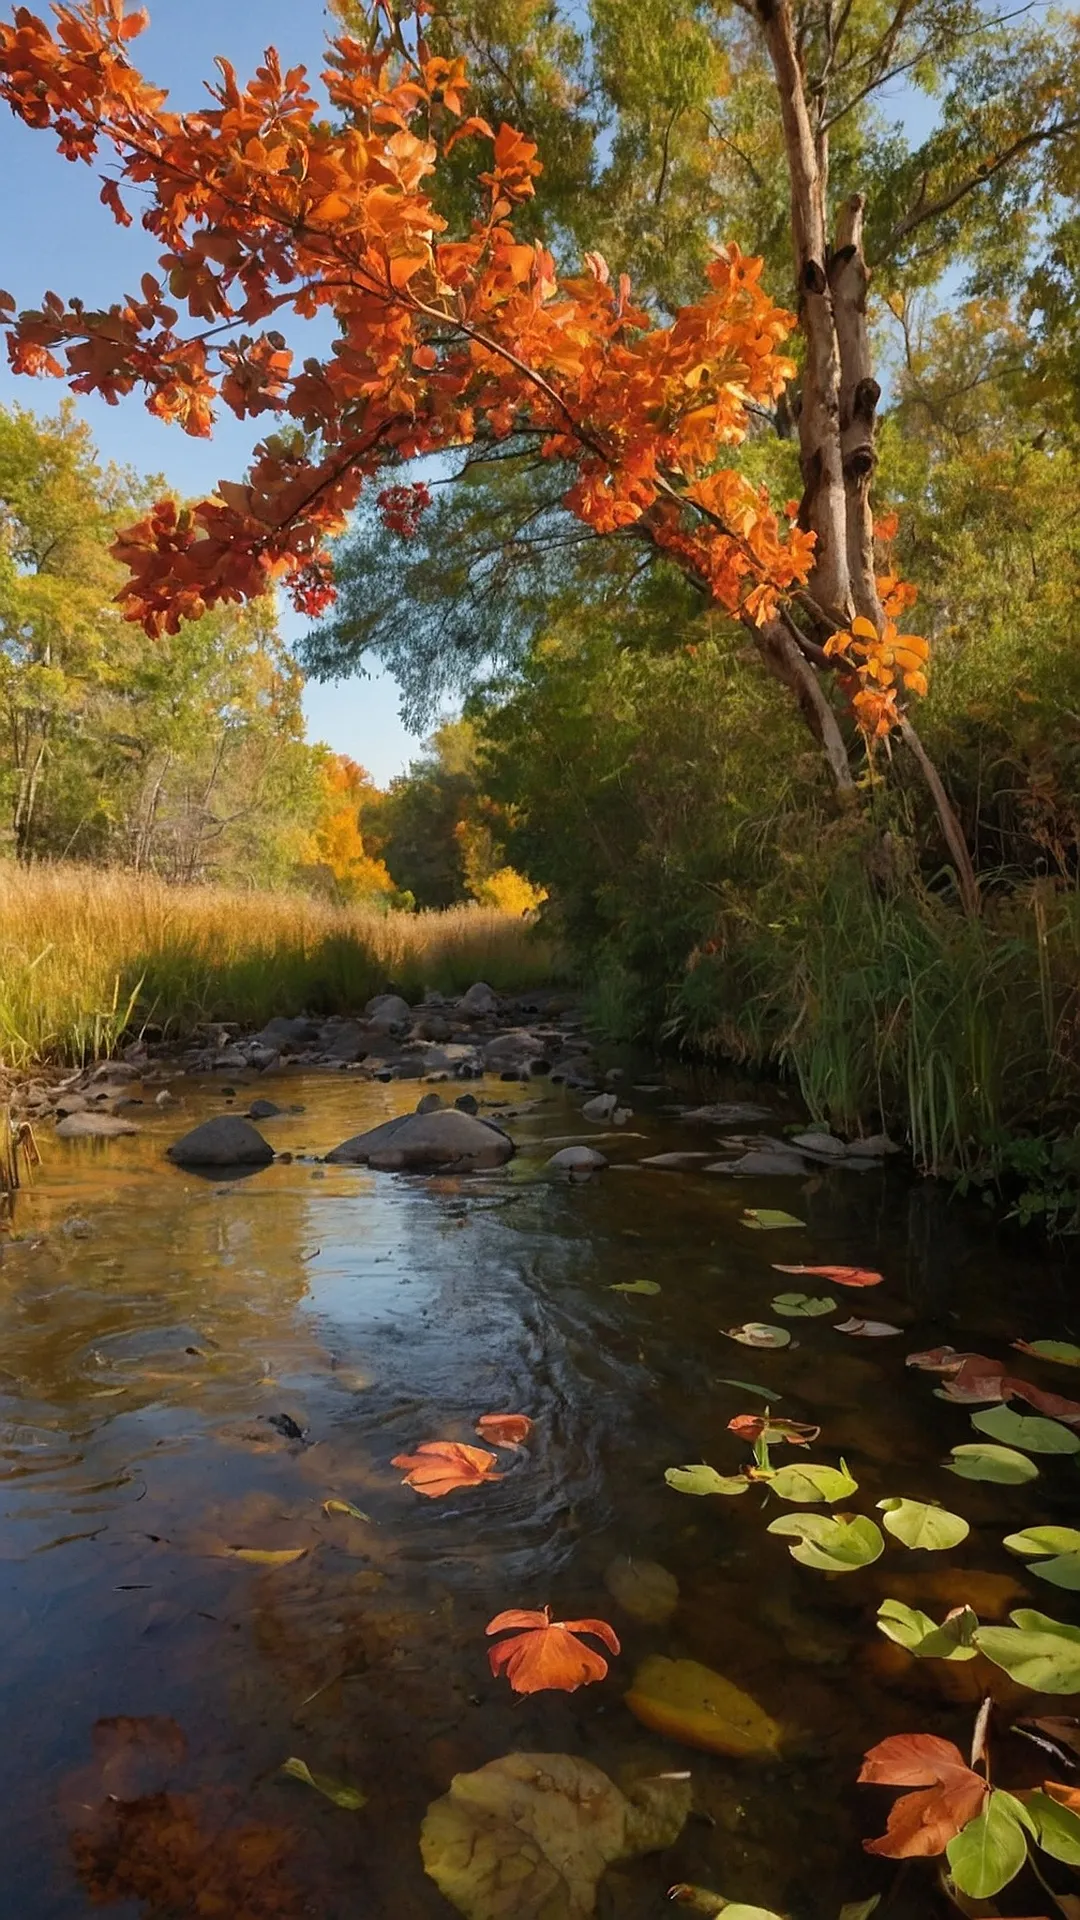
150 1321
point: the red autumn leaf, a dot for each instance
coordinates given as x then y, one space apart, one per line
945 1360
547 1653
977 1378
1055 1405
843 1276
442 1466
504 1429
752 1426
922 1823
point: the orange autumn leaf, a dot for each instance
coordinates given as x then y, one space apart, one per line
755 1426
504 1429
442 1466
843 1276
922 1823
1064 1795
547 1653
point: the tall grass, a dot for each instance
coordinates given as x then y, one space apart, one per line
88 956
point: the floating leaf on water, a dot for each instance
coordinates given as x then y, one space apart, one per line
802 1306
761 1426
757 1333
1035 1540
979 1460
642 1588
843 1276
809 1483
1027 1430
833 1543
691 1703
990 1851
442 1466
700 1900
1057 1827
268 1556
1063 1351
344 1506
635 1286
546 1654
1055 1405
747 1386
922 1823
350 1799
918 1634
860 1909
529 1835
504 1429
868 1329
919 1523
703 1479
769 1218
1038 1652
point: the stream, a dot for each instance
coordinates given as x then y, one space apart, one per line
189 1367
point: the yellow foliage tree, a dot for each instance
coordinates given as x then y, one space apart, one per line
336 845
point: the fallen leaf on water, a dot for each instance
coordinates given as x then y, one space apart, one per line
350 1799
644 1588
803 1306
922 1525
922 1823
868 1329
267 1556
747 1386
943 1360
1053 1404
442 1466
768 1218
1027 1430
1063 1351
983 1461
761 1426
689 1702
843 1276
547 1653
504 1429
528 1836
703 1479
1065 1795
344 1506
758 1333
634 1286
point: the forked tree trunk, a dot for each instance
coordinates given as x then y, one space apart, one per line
837 416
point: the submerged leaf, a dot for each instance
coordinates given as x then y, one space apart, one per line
809 1483
703 1479
758 1333
442 1466
802 1306
504 1429
833 1543
635 1286
991 1849
979 1460
344 1506
643 1588
769 1218
919 1524
689 1702
918 1634
547 1654
1027 1430
268 1556
1038 1652
350 1799
843 1276
528 1836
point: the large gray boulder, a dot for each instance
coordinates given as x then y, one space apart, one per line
426 1143
389 1013
577 1160
516 1051
93 1126
285 1035
479 1002
226 1141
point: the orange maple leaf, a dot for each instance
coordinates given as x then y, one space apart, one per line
546 1653
442 1466
844 1276
504 1429
922 1823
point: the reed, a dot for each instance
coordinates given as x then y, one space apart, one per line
88 956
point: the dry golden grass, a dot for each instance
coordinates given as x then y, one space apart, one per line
87 955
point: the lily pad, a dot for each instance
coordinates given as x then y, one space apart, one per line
1038 1652
918 1634
990 1851
1027 1430
642 1588
802 1306
758 1333
767 1219
350 1799
1063 1351
1057 1828
1062 1544
833 1543
919 1524
811 1484
691 1703
635 1286
979 1460
529 1836
703 1479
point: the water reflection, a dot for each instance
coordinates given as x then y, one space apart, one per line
192 1369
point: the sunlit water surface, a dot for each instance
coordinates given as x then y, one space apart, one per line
152 1321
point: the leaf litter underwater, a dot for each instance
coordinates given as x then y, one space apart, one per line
248 1657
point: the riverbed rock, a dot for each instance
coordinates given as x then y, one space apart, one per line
93 1126
577 1160
388 1013
261 1058
725 1113
427 1142
601 1107
479 1003
674 1162
765 1161
517 1051
824 1146
429 1103
65 1103
467 1103
226 1141
287 1034
263 1110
